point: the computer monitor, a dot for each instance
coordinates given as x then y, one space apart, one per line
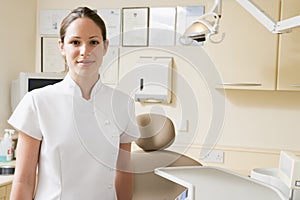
30 81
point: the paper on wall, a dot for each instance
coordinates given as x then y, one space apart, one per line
52 60
162 26
50 20
135 27
112 19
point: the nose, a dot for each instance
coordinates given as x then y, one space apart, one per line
85 50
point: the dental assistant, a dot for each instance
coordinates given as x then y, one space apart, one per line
76 134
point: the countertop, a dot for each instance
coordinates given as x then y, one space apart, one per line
218 183
6 179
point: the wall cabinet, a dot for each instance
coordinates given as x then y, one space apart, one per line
289 51
5 192
247 57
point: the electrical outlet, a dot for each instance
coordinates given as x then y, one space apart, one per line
214 156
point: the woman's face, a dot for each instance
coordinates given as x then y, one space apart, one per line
83 48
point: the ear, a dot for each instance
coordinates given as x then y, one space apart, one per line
61 47
106 43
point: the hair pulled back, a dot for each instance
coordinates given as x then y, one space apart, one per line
81 12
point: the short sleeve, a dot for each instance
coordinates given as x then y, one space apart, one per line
24 117
131 133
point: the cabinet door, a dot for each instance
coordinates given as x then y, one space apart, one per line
247 57
3 192
8 190
289 50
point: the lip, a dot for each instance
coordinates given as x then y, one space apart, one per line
85 62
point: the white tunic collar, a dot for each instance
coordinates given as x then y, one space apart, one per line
74 89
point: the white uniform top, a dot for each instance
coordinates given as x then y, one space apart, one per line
80 138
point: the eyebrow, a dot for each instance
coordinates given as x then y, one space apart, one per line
93 37
89 37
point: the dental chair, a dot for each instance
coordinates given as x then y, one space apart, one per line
157 133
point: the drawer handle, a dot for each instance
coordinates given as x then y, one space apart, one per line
295 85
242 84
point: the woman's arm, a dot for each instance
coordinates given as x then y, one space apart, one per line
25 174
124 178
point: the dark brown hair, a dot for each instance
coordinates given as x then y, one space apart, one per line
81 12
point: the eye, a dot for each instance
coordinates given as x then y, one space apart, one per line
94 42
75 42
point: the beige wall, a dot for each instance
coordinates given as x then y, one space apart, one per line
17 52
258 124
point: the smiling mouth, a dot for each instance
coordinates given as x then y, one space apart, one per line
85 62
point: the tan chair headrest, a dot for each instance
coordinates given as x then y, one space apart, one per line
157 132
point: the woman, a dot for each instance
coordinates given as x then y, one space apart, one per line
79 131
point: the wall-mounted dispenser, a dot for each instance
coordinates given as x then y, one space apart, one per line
154 79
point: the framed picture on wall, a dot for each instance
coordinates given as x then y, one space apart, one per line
135 26
51 58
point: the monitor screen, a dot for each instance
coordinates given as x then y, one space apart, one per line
28 81
34 83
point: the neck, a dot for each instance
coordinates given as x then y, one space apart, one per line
86 84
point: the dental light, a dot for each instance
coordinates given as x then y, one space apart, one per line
283 26
203 28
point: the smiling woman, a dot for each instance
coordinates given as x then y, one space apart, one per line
76 125
83 50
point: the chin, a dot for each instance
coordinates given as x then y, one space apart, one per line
85 72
